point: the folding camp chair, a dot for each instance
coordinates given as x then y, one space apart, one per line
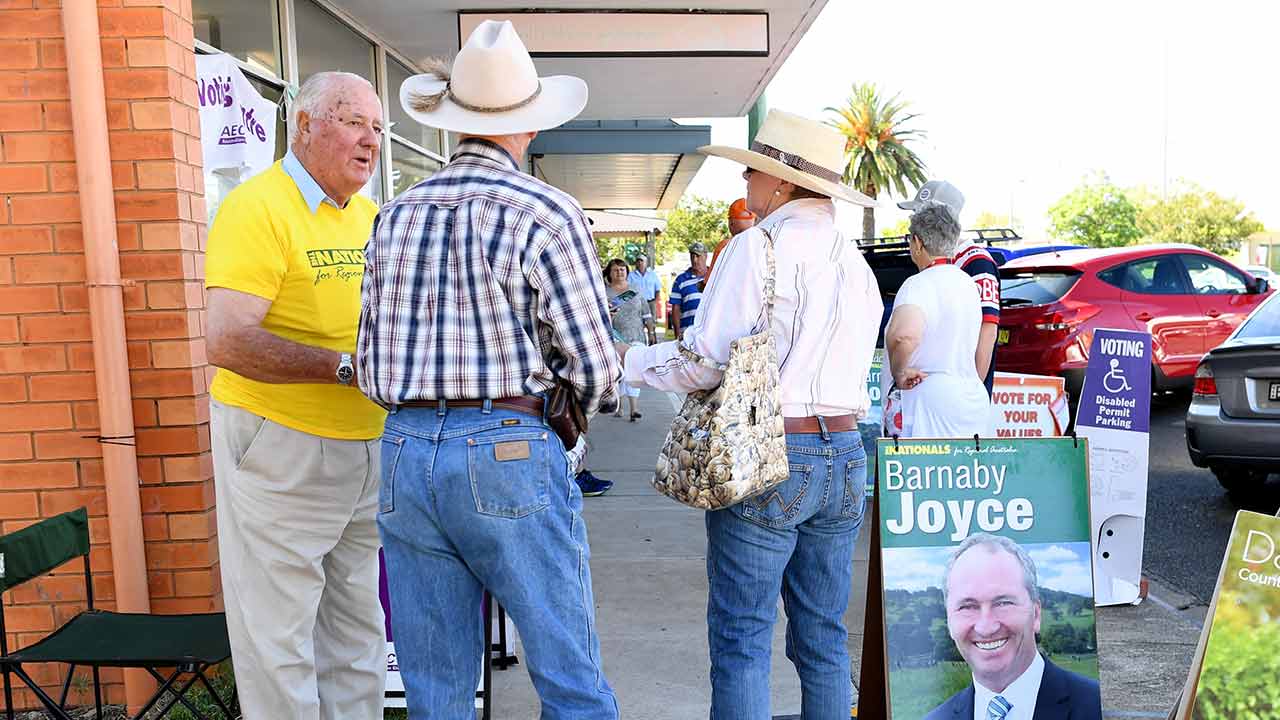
183 644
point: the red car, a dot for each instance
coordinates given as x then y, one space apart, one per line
1189 299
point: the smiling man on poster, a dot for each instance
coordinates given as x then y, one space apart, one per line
993 615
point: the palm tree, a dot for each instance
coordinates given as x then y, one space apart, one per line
875 148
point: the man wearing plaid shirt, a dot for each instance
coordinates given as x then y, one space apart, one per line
481 289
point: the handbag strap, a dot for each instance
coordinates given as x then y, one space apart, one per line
770 283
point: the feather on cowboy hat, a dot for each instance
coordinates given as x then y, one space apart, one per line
797 150
492 89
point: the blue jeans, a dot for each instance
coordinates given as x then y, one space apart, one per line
474 500
796 539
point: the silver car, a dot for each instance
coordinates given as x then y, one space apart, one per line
1233 424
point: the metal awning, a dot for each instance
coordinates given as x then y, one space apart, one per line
620 164
623 85
613 224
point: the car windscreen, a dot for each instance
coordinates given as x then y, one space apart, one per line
1034 287
1264 322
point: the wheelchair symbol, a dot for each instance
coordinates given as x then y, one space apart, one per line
1114 381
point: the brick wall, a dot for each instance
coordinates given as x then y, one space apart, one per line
48 399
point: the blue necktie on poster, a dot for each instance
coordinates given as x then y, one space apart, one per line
998 708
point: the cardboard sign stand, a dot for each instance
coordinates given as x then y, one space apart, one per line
497 654
872 681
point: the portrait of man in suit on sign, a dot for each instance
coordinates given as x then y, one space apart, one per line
993 615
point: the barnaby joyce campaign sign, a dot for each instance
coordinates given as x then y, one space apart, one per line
237 125
1236 670
950 620
1115 414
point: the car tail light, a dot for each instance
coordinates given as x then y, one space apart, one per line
1205 384
1067 316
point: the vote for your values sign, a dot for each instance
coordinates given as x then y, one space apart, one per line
1115 414
1233 674
933 494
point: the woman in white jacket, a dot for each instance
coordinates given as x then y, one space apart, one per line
796 539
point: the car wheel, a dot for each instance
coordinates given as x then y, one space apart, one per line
1238 480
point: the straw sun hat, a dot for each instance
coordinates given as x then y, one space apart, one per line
492 89
797 150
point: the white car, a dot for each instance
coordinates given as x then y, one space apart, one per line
1261 271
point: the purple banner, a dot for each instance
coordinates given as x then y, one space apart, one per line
383 593
1117 384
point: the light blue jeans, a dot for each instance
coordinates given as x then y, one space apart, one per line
473 500
796 539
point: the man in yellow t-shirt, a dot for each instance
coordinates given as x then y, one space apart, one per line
295 443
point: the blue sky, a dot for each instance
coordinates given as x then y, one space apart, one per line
1060 566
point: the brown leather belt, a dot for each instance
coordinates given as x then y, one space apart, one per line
526 404
809 425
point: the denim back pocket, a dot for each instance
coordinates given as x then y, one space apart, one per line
778 506
509 473
855 488
391 447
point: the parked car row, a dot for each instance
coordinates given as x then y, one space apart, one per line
1214 328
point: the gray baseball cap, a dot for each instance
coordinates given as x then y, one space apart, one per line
698 249
939 191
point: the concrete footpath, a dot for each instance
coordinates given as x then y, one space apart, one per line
648 567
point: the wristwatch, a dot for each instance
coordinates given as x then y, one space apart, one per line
346 371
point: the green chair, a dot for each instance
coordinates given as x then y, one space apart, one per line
181 644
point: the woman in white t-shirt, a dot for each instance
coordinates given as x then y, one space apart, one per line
932 388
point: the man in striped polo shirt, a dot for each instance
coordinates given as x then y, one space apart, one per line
974 259
686 291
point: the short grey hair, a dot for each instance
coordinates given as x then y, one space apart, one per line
315 96
994 543
937 227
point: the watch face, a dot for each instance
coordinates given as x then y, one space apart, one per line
346 373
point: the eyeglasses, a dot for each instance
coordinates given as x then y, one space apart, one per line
746 174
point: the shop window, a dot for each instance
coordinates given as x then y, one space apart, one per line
406 127
325 43
409 167
248 30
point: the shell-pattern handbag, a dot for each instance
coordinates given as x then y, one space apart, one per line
728 444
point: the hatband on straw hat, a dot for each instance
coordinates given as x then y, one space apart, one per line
797 150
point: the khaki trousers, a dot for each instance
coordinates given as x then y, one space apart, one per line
298 543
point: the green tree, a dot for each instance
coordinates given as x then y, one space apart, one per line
1196 216
1097 213
988 219
694 219
899 228
876 154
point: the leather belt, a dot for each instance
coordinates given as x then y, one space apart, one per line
527 404
809 425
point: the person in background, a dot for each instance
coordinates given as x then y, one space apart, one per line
295 444
631 318
686 291
931 387
482 295
974 259
740 218
646 282
796 540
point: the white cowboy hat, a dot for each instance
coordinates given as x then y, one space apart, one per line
797 150
492 89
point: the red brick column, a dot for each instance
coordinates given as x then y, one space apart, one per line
49 459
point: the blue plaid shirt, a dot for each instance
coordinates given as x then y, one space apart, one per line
483 282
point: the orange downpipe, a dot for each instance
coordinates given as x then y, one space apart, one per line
106 314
